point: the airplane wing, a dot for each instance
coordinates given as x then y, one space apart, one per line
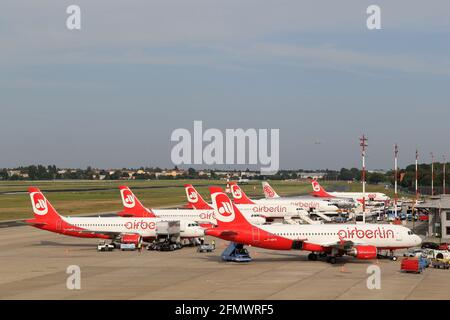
111 234
343 244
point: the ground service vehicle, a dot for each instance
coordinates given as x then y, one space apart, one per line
414 265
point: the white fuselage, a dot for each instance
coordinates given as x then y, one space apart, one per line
293 204
203 216
378 235
358 196
145 227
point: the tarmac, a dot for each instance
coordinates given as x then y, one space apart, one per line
34 264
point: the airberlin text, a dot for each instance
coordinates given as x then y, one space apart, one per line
352 233
136 225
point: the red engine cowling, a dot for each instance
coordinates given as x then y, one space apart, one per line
131 238
312 247
363 252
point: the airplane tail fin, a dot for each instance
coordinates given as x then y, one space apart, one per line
195 200
269 192
132 207
238 195
319 191
44 213
226 213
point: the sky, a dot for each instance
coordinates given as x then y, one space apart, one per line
110 95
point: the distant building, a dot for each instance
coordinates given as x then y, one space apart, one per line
313 175
439 219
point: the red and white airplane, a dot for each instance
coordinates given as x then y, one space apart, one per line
205 217
240 198
121 230
268 210
362 241
271 194
319 191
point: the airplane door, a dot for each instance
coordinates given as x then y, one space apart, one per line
255 234
59 225
398 236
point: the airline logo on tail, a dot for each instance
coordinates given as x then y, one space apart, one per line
268 191
224 208
316 186
128 198
191 194
39 203
319 191
237 193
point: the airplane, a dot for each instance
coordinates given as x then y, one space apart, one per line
240 198
118 229
332 240
205 217
267 210
271 194
319 191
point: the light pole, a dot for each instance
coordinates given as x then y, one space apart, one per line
432 173
396 179
363 145
444 165
417 176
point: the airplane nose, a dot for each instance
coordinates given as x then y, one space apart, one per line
418 240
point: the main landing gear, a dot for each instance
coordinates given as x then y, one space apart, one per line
313 257
389 256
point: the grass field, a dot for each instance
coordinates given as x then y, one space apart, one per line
79 197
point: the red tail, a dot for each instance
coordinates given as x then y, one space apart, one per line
226 212
132 207
195 200
318 191
44 213
238 195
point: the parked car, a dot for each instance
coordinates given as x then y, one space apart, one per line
444 246
423 217
415 253
430 245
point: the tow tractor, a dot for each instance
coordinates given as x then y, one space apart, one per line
206 247
236 252
389 256
104 246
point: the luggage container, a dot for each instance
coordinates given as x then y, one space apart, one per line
414 265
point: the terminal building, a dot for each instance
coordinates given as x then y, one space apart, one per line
439 218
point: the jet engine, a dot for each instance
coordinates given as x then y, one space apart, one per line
363 252
131 238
